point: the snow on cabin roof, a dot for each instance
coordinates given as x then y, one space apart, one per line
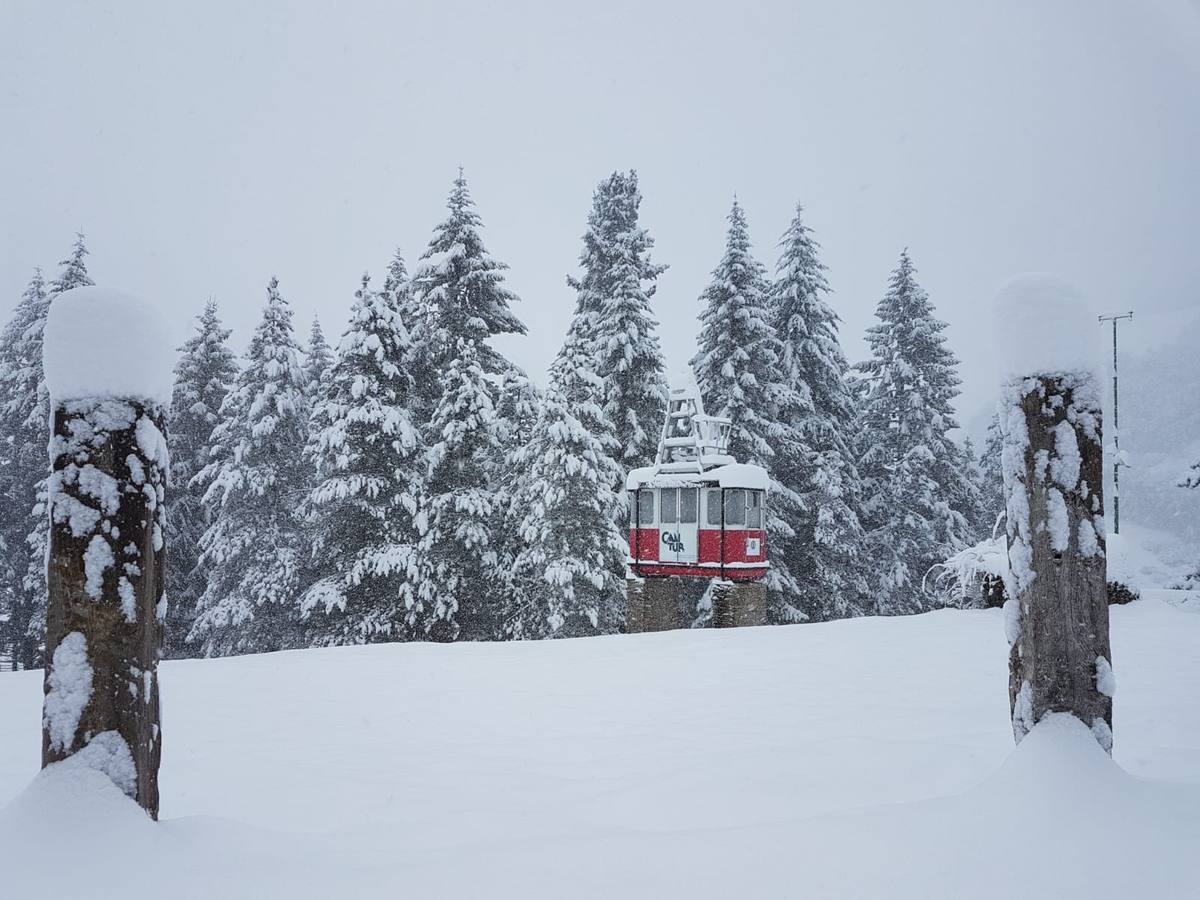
733 475
101 342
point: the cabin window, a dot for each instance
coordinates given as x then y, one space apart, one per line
632 508
688 500
735 507
754 509
645 507
713 502
668 506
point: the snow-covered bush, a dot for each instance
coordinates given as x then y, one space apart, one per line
963 579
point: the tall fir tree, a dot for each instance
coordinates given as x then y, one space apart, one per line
318 359
397 280
364 446
613 317
909 463
814 455
23 439
966 485
991 480
738 371
416 316
75 272
567 578
461 287
517 409
256 546
205 373
453 574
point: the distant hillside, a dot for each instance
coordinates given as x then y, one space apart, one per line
1160 431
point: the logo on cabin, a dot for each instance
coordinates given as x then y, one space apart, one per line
753 548
673 541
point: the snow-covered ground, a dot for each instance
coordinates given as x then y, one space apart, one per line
863 758
1150 558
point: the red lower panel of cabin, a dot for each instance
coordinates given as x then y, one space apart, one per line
745 552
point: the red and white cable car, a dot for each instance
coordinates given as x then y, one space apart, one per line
697 511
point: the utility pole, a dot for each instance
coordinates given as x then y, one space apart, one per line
1116 426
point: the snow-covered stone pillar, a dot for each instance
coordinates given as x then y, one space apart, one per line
108 370
1057 611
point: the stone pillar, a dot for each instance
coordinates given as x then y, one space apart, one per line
105 578
655 604
1060 660
736 604
635 605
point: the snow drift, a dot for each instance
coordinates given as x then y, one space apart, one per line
868 758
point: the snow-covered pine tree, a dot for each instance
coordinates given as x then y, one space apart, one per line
814 455
459 297
23 438
364 446
417 319
318 358
991 480
397 280
462 287
968 492
256 546
910 465
737 363
315 363
566 580
451 591
75 272
738 370
613 314
517 411
204 374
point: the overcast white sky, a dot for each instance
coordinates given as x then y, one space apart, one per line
204 147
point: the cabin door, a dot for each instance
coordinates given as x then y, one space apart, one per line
679 525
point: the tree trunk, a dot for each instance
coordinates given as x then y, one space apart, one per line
106 605
1060 659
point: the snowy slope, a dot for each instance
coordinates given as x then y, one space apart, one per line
862 758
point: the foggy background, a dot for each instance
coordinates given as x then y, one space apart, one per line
203 148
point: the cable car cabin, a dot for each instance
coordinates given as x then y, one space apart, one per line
711 527
697 511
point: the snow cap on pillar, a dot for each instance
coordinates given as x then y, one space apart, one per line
1045 325
105 343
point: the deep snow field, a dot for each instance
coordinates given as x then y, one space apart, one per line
862 758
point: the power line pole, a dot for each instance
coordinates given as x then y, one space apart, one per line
1116 426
